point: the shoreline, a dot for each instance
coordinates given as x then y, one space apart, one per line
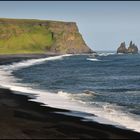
29 119
21 118
9 58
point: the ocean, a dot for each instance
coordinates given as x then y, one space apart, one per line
105 89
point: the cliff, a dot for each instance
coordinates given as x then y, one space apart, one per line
40 36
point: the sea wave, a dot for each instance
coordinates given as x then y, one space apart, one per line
93 59
27 63
105 112
106 54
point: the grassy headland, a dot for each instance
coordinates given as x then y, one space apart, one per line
29 36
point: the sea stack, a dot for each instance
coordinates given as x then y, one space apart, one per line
122 48
133 49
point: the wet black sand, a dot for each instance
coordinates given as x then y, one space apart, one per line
20 118
23 119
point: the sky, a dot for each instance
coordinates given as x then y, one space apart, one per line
104 25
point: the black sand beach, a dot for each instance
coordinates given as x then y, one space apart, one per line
9 58
23 119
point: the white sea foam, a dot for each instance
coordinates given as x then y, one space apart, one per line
106 113
120 53
106 54
93 59
27 63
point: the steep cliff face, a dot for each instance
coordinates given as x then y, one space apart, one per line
40 36
67 39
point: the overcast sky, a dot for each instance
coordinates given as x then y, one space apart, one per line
104 25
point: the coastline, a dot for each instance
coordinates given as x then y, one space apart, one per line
25 119
8 58
30 119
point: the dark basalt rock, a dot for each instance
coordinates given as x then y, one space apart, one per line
131 49
122 48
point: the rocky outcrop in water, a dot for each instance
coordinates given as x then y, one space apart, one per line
122 48
131 49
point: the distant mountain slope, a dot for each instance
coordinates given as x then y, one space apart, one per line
40 36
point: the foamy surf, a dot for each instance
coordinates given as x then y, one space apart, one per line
28 63
105 113
93 59
106 54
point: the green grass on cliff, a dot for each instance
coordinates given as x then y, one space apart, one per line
24 38
28 36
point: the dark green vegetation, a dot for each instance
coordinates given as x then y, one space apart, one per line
21 36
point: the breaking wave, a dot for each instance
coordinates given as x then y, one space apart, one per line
105 112
93 59
27 63
106 54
